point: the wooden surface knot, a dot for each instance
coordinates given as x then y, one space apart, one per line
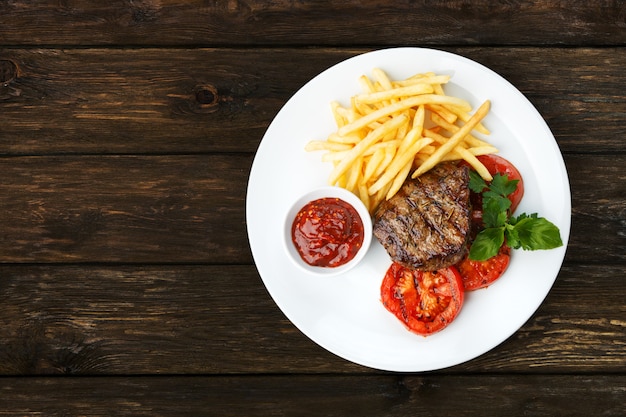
207 96
8 73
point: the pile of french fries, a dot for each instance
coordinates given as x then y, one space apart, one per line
395 129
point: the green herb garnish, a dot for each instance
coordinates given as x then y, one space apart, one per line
528 232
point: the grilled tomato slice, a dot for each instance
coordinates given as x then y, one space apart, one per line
498 165
480 274
426 302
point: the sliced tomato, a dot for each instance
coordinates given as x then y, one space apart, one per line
426 302
496 164
481 274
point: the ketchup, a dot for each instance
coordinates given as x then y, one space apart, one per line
327 232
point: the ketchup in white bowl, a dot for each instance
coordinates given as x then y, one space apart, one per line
328 231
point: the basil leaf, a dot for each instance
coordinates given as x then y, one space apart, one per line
495 201
514 220
502 186
512 235
534 233
477 184
512 238
487 244
495 208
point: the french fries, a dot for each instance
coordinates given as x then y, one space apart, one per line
399 129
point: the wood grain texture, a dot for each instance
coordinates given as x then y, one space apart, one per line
283 22
112 101
127 133
124 209
220 320
376 396
598 210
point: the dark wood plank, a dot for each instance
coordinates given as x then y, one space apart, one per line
124 209
191 208
382 22
379 396
148 320
598 209
82 320
222 100
138 101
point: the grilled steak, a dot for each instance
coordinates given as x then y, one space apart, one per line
426 225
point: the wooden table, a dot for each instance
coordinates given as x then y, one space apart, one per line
127 133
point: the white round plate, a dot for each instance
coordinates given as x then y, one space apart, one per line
344 314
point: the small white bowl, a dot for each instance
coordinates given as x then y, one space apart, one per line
316 194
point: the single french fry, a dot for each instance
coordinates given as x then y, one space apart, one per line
418 119
349 139
324 145
394 93
429 78
339 119
421 75
363 196
458 136
483 150
334 156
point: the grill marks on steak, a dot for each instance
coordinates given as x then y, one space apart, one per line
426 225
